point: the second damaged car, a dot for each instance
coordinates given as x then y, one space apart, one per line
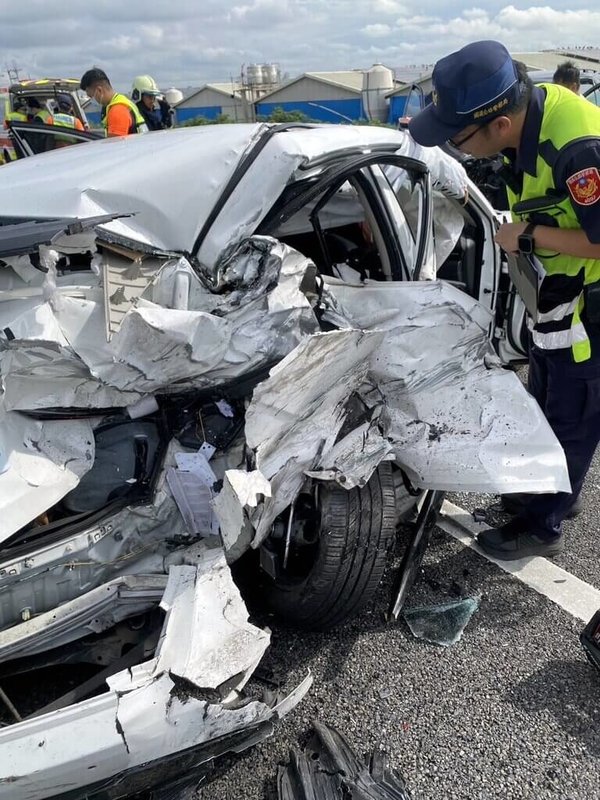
268 349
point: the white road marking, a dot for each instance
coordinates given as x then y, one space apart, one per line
572 594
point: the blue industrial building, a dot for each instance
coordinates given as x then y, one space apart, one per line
324 96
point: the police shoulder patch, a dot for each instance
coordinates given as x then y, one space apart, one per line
584 186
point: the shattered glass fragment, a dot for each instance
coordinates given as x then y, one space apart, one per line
443 624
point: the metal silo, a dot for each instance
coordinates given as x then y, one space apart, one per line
377 83
254 74
271 74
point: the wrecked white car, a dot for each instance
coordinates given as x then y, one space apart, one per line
249 344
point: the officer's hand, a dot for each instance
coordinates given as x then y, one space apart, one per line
508 236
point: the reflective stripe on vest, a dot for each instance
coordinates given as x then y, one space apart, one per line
45 116
138 124
566 118
66 120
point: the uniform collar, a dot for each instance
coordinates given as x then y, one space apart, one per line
526 159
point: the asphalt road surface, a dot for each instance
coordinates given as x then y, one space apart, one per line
510 711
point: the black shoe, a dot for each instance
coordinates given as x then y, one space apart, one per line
517 503
512 541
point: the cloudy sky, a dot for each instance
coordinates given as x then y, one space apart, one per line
191 42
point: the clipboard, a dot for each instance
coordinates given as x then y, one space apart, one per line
527 273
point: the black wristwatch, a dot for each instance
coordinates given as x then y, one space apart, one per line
526 241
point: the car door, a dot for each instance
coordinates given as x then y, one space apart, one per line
30 139
349 221
593 94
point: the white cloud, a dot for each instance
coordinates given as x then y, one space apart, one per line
376 31
184 43
388 7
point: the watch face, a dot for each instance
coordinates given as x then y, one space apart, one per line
526 243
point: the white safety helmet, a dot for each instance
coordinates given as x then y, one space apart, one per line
144 84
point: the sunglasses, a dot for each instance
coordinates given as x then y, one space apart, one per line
458 144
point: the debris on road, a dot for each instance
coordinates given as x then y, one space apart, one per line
328 769
590 639
443 624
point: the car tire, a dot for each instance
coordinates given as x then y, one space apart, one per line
356 531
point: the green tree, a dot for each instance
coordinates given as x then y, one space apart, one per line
220 119
279 115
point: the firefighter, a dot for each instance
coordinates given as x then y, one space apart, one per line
155 110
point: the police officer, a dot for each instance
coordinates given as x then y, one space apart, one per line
156 112
120 116
484 104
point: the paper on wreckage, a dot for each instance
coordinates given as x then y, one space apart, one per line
456 419
59 355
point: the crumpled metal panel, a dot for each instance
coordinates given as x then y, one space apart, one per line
40 461
456 419
225 644
60 355
150 716
296 414
133 540
113 176
94 612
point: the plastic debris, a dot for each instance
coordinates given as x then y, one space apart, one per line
590 639
443 624
328 769
193 498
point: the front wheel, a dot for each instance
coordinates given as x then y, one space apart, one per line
328 561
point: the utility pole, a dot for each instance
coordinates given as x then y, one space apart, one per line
13 72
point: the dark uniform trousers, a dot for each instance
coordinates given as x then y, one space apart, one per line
569 395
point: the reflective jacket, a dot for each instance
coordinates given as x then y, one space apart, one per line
565 120
44 117
67 121
15 116
138 124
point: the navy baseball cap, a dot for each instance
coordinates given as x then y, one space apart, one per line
471 86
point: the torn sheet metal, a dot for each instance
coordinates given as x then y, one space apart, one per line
148 716
240 496
353 459
225 644
40 462
296 414
328 769
136 539
60 345
94 612
456 419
